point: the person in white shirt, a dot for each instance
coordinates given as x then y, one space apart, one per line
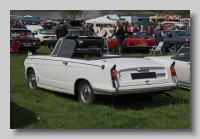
101 31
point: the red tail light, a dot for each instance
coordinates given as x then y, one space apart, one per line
173 73
38 43
127 43
187 42
114 78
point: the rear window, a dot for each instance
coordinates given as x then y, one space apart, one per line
47 32
16 33
183 33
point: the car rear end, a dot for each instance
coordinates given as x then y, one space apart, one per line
139 43
142 76
27 41
47 35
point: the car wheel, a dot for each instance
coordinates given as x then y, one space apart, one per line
86 94
31 79
172 47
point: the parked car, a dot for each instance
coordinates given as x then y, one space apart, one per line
131 43
44 34
78 66
27 40
173 37
182 66
71 32
34 27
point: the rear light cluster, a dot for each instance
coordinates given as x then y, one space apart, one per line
173 73
36 43
187 42
114 78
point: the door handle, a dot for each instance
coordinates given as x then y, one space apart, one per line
65 62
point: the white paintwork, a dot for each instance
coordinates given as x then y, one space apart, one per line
52 74
61 73
40 36
182 70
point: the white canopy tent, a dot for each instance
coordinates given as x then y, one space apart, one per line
100 20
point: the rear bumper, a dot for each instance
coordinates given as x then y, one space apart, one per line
27 48
140 89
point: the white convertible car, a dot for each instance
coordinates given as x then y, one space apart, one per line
182 66
77 66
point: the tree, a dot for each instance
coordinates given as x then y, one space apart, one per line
47 14
72 14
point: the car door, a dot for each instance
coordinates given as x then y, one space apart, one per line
54 67
54 72
168 38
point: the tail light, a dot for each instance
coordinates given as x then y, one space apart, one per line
173 73
45 36
114 78
187 42
36 43
127 43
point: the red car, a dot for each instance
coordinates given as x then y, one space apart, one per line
131 43
27 41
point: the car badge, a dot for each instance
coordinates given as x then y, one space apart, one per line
147 81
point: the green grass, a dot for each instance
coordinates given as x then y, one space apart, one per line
43 109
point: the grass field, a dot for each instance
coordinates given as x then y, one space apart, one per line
43 109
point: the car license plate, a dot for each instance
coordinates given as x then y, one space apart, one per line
141 44
26 44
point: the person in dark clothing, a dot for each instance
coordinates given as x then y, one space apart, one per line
61 31
158 36
120 34
90 27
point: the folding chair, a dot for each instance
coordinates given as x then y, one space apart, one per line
14 47
157 48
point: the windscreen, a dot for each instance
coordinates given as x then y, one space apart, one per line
67 48
23 33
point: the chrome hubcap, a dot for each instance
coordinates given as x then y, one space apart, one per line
85 93
32 81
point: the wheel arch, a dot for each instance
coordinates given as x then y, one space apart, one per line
76 85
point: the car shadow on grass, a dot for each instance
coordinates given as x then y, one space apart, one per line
129 102
133 103
21 117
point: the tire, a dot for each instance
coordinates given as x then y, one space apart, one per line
86 94
172 47
31 79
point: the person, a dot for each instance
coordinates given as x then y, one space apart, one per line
158 36
24 26
120 34
84 26
135 29
90 27
54 26
19 25
61 31
101 31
